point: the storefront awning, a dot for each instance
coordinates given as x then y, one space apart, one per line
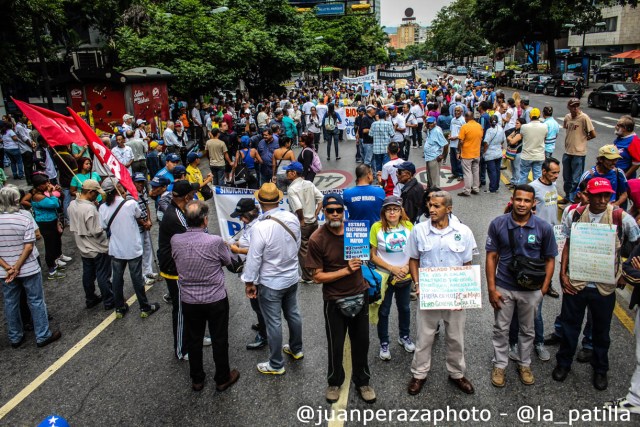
630 54
329 69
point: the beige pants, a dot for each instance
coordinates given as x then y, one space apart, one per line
471 174
427 323
525 303
433 173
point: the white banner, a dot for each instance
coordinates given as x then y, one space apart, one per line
350 114
592 255
450 288
357 80
226 199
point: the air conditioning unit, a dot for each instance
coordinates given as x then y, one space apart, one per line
87 60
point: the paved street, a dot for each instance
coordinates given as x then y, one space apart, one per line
108 372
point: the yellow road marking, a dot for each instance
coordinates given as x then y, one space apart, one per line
504 179
55 366
344 392
624 318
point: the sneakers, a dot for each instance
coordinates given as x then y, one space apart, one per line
542 352
526 376
167 298
60 263
149 281
206 341
385 354
259 342
408 345
152 309
287 350
513 352
122 311
497 377
55 275
624 405
65 258
266 368
333 394
367 393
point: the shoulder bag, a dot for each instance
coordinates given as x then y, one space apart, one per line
528 272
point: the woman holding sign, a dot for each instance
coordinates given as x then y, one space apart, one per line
388 239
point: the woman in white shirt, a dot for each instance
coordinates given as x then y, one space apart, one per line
492 152
388 239
313 126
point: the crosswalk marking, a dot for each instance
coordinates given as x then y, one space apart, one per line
607 125
611 118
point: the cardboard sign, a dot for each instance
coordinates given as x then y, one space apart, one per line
450 288
356 240
560 238
592 255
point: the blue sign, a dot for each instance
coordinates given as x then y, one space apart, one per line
356 240
329 9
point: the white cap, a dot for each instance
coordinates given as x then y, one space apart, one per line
140 121
127 117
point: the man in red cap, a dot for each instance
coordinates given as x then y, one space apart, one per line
599 297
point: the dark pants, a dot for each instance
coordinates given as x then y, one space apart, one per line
135 273
587 331
456 165
573 307
218 175
359 157
255 306
483 171
316 141
417 135
306 231
97 268
331 136
216 315
493 169
52 242
179 338
336 326
27 163
403 304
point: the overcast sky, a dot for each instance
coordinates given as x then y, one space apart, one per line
392 11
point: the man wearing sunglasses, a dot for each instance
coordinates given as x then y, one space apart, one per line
341 280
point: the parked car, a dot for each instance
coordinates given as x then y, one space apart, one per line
611 96
461 70
537 83
635 105
610 72
560 85
523 81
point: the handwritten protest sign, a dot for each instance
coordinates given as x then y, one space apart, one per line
356 240
592 255
449 288
560 239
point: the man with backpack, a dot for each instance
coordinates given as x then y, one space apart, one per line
606 168
600 298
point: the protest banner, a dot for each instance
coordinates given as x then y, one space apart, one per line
226 199
592 256
55 128
356 240
409 74
350 114
450 288
357 80
560 239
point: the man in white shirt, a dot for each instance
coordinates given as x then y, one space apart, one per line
197 123
127 120
305 201
411 124
306 113
456 123
399 128
271 275
418 112
123 153
171 141
125 246
141 132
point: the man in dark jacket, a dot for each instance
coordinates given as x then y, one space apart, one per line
412 192
173 222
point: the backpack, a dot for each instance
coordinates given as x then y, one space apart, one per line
329 123
616 217
316 164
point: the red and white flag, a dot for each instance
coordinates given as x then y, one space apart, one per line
55 128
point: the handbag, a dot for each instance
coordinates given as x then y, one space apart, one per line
374 279
206 191
403 283
236 265
528 272
351 306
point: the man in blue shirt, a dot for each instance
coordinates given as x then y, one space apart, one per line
172 160
552 131
364 201
436 148
606 168
533 238
628 145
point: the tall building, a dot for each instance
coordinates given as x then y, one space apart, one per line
410 32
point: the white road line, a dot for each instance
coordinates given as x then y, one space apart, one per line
561 123
607 125
611 118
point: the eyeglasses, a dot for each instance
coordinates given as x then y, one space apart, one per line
331 211
394 210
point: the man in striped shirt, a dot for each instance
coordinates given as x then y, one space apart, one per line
21 270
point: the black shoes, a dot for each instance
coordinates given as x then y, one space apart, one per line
54 337
584 355
560 373
552 339
19 343
600 381
97 299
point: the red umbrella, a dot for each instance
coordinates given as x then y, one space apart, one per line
630 54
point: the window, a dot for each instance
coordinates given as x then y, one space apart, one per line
611 25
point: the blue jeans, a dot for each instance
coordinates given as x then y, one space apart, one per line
378 162
403 301
515 170
272 303
331 136
493 169
572 169
97 268
367 154
35 299
573 308
359 157
538 325
15 158
456 165
135 272
587 333
526 166
218 174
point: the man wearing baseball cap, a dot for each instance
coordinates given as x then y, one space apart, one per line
172 160
533 134
598 297
605 167
412 192
93 244
436 148
194 175
127 121
579 130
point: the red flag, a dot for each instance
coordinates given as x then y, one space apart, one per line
104 155
55 128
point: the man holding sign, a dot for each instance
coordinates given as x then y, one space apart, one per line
439 242
592 234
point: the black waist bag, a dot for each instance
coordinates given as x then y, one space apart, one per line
528 272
